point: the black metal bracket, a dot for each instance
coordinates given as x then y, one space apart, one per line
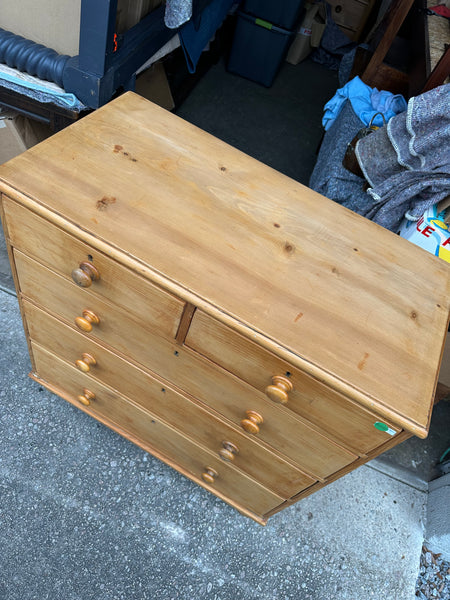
108 61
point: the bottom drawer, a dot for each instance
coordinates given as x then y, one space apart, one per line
155 436
166 403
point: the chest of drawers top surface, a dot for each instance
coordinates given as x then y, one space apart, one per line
334 294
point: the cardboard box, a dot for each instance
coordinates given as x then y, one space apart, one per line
153 85
53 24
309 33
57 24
18 134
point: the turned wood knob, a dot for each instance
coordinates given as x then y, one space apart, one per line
85 362
85 274
278 391
209 475
87 320
252 421
228 451
86 397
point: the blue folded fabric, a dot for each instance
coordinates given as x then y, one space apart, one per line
365 101
195 35
41 93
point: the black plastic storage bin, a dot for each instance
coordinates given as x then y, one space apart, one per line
283 13
258 49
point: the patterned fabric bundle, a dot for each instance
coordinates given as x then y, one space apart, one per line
329 177
177 12
407 162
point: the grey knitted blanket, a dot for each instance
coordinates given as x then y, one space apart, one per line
407 162
329 177
177 12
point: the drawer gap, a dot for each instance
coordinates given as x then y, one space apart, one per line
185 322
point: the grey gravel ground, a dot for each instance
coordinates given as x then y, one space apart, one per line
434 577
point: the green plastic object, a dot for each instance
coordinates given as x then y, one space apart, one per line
282 13
381 426
263 23
444 455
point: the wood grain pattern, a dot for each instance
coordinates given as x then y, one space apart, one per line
14 274
167 403
131 419
385 35
350 15
332 412
220 227
316 455
185 322
62 253
206 283
116 326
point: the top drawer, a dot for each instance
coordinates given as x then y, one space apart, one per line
347 422
61 252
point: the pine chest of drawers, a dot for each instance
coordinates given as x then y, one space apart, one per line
255 336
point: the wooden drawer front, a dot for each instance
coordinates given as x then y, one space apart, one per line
171 406
149 432
314 453
116 327
350 15
327 409
63 253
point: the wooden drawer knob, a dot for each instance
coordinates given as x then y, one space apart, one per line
85 274
87 320
209 475
252 422
278 391
86 397
85 362
228 451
